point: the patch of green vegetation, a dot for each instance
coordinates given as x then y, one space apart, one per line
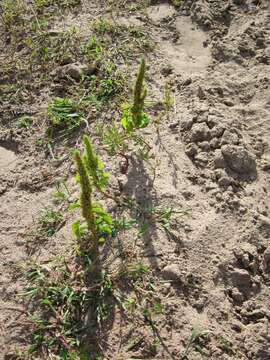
177 2
59 3
64 114
168 100
165 215
113 139
93 49
110 80
129 5
25 123
135 38
72 303
61 193
64 301
226 345
56 47
196 342
13 13
49 222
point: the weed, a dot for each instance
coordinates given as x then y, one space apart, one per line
134 37
195 342
137 271
153 308
103 26
226 345
130 305
96 168
98 222
64 114
91 242
93 50
12 13
62 4
168 100
124 224
134 116
108 88
71 303
165 215
113 139
49 223
50 47
116 139
25 123
62 192
132 6
64 304
110 80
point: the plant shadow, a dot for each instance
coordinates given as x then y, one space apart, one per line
140 187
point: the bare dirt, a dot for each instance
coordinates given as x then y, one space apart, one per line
211 155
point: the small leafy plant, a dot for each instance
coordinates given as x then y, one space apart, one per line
114 139
196 342
25 123
134 116
64 114
50 221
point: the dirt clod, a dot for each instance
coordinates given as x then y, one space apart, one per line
200 132
171 272
239 159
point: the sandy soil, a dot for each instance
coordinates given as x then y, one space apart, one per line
211 154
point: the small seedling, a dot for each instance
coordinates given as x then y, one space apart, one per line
194 342
62 192
137 271
164 215
93 50
130 305
49 223
168 100
226 345
124 224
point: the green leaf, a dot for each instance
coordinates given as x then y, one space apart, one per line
74 206
78 229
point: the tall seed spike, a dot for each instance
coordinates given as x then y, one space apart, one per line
91 155
139 95
91 160
86 194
